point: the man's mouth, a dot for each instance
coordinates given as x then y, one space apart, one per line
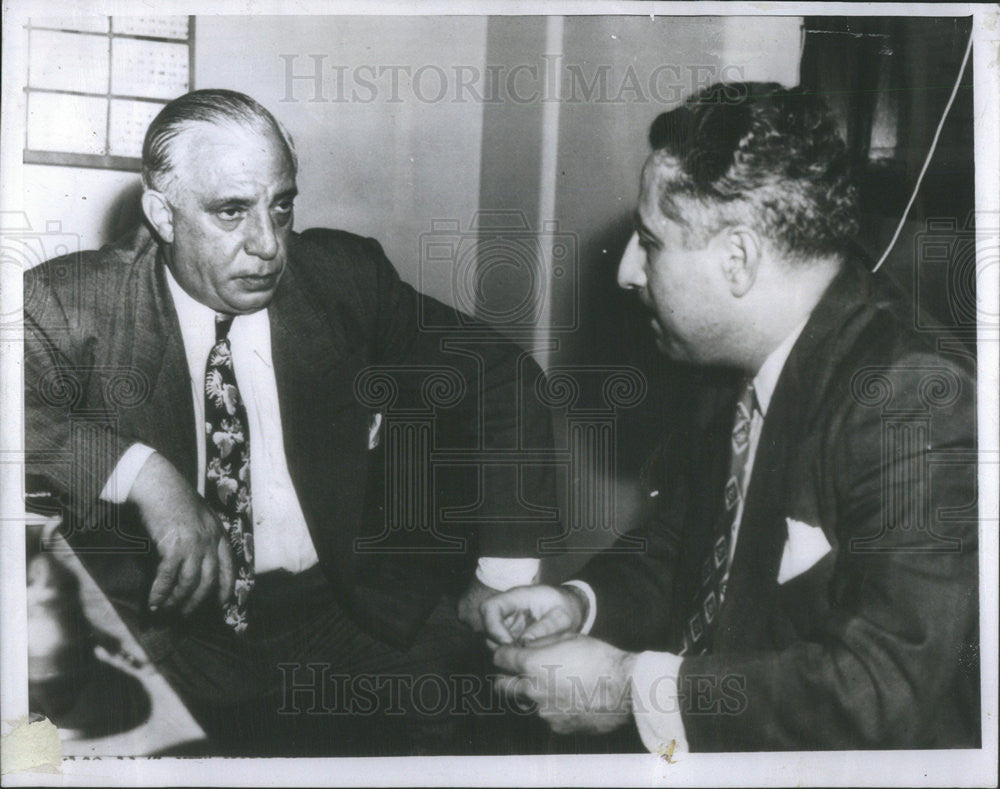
259 281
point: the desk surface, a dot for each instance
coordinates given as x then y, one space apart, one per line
123 677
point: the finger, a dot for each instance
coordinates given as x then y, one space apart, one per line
209 574
497 609
545 641
226 574
557 620
511 659
516 623
187 581
166 574
493 612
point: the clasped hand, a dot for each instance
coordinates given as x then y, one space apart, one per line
195 556
580 684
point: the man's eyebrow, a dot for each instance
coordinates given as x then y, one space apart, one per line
228 202
235 201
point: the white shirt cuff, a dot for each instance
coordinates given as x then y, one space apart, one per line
119 484
655 705
584 587
503 574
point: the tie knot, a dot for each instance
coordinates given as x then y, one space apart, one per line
222 325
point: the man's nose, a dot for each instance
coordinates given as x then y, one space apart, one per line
631 269
261 239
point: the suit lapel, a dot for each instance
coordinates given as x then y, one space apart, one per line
752 587
147 338
322 422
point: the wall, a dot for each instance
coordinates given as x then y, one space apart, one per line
375 160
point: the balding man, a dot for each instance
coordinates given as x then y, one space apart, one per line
245 456
809 578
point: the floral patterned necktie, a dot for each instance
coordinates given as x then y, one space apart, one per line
227 466
715 568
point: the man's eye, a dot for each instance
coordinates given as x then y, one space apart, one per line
229 214
284 207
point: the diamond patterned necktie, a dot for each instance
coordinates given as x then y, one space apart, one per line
715 568
227 466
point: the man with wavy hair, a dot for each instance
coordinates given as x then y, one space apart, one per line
809 578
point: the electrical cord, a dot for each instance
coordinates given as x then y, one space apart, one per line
930 155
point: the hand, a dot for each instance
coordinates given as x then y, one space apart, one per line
532 612
194 551
579 684
470 602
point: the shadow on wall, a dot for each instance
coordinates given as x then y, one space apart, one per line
123 215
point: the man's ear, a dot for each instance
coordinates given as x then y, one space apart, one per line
740 249
160 215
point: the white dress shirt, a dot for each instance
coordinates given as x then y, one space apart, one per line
281 536
654 677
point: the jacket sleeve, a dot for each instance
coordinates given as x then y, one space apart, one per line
481 389
634 584
633 580
71 437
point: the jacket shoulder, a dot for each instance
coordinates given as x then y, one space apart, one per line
92 277
320 246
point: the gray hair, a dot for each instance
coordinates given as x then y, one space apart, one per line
201 106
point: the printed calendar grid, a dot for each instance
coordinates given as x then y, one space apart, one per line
114 90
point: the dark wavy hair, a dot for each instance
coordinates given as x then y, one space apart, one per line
214 106
757 154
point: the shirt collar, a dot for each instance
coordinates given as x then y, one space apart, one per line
767 376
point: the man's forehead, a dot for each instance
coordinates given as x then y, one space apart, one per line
216 155
659 168
195 136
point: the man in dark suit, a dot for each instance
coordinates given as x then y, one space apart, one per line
809 579
205 398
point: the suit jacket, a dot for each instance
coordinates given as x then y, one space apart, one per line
105 368
870 438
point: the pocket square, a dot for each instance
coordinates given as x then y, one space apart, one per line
374 428
805 546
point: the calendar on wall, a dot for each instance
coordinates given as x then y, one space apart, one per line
95 83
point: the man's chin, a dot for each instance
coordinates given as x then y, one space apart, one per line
252 301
